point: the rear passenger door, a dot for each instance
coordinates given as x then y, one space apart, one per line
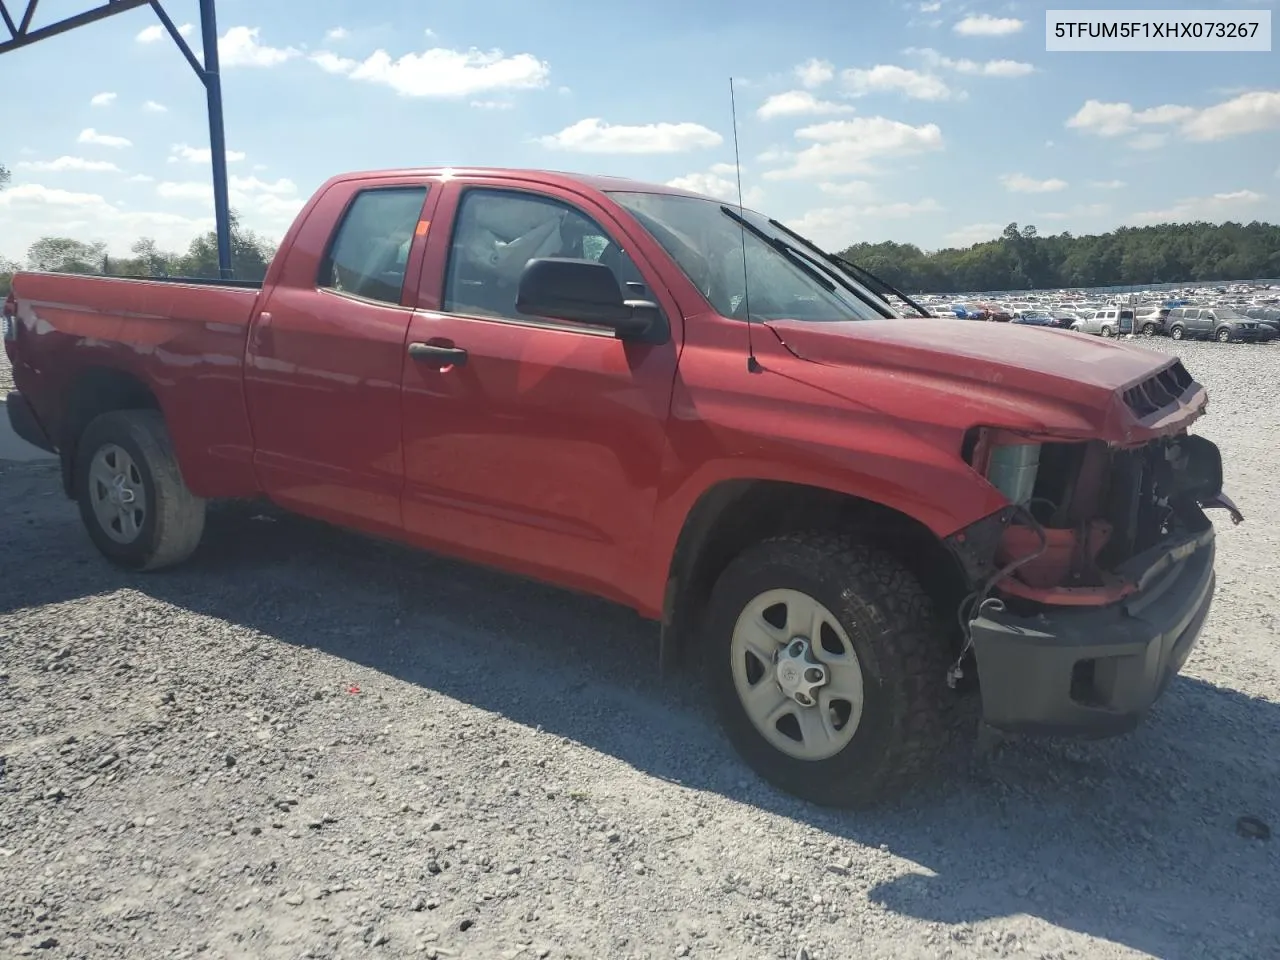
1193 322
324 357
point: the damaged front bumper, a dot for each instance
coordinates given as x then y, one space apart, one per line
1094 671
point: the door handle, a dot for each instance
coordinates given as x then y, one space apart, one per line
438 355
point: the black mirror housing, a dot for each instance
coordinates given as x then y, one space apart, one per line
582 291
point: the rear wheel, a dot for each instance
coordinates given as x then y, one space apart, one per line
1108 332
827 668
1224 335
1176 333
133 501
1148 329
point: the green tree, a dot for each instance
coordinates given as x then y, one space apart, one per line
7 269
250 254
66 255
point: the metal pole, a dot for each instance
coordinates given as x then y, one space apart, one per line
217 136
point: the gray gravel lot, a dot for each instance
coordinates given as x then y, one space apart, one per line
307 744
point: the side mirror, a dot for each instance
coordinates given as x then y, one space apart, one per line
583 291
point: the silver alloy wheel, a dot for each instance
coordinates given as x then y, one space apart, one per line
796 674
116 493
1108 332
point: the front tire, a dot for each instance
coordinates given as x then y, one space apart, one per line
827 667
133 501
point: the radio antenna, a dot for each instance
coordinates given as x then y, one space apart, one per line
753 365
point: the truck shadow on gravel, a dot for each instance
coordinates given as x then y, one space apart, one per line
1132 840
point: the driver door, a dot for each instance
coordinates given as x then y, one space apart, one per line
531 444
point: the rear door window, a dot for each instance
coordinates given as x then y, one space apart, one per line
369 252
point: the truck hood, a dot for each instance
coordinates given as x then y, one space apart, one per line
1110 385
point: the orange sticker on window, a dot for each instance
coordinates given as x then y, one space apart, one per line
423 227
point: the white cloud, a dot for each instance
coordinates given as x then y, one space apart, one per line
152 107
31 211
156 32
836 227
1249 112
849 189
985 25
886 78
593 135
271 204
62 164
967 236
842 148
1021 183
933 7
1149 141
141 178
492 104
1215 208
720 182
443 74
813 73
795 103
1107 184
239 47
337 33
90 135
974 68
102 99
181 151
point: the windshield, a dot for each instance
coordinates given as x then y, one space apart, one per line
707 246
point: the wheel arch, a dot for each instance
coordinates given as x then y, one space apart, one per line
94 391
732 514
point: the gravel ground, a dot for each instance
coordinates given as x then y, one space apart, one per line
304 744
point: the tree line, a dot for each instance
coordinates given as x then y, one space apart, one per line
1021 259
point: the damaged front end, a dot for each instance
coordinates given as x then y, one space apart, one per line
1091 586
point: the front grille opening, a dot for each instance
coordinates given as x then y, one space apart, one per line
1164 389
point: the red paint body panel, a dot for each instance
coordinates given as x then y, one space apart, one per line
558 452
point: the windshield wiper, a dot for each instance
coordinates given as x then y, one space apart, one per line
815 270
860 272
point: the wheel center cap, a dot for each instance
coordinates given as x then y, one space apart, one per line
798 673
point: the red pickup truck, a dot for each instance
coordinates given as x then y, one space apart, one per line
854 517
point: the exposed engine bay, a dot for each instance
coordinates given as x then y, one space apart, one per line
1088 522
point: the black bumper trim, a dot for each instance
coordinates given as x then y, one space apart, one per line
25 424
1092 672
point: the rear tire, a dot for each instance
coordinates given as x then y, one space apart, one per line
881 717
1148 329
1108 332
1176 333
133 501
1224 335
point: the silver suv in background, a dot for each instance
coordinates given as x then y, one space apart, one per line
1111 322
1223 324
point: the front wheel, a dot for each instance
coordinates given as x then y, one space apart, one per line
133 501
827 667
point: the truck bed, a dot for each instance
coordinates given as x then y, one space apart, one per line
183 339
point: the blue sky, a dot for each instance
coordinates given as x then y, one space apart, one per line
932 121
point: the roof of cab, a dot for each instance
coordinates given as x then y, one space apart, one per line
557 178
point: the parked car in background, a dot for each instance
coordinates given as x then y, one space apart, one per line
1268 315
1149 321
1063 319
1215 323
1108 322
1034 318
